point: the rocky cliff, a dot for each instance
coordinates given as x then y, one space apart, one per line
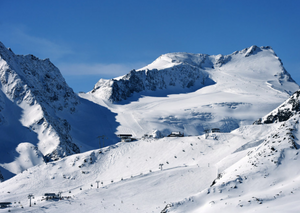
39 93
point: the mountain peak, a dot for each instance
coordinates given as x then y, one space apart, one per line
254 50
172 65
38 93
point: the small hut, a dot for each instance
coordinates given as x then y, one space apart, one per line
176 134
5 205
125 137
214 130
51 196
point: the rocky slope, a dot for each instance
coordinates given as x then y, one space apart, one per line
182 75
284 112
33 94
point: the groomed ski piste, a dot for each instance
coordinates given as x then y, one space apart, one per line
132 179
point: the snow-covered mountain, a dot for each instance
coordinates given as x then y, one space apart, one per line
194 92
254 168
32 94
185 70
41 118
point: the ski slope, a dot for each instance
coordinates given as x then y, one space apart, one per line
267 179
131 175
253 167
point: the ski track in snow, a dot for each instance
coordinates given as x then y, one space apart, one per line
190 165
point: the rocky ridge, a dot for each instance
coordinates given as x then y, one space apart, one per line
35 84
284 112
183 75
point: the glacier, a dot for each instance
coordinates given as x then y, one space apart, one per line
195 92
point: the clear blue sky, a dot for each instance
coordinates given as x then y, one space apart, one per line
88 40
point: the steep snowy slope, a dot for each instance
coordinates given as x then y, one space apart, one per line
193 92
32 93
267 179
284 112
34 104
41 118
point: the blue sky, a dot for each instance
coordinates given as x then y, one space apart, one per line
88 40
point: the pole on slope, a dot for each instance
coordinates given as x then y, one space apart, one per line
59 193
97 181
206 131
29 197
161 166
101 137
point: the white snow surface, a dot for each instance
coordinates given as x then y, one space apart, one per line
267 179
244 168
186 92
32 92
240 88
37 107
258 163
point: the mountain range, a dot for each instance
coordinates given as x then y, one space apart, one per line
50 135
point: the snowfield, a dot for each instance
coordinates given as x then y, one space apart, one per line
254 168
267 179
227 92
129 173
50 136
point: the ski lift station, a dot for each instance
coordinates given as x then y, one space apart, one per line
176 134
5 205
51 196
125 137
214 130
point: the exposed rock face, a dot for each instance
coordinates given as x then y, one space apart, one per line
183 76
1 177
284 112
180 71
38 88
